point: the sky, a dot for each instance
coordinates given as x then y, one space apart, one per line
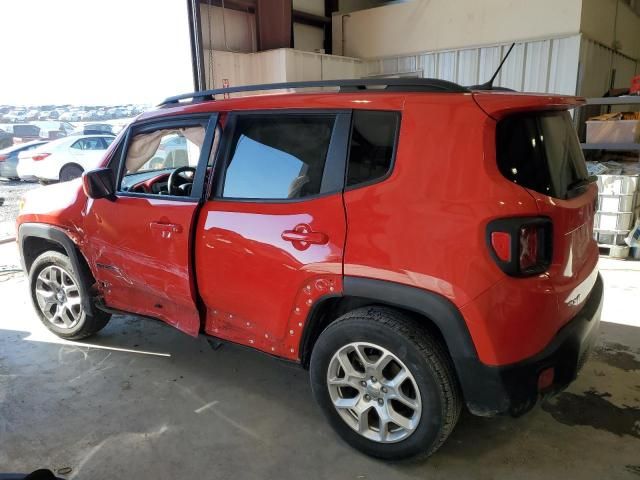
101 52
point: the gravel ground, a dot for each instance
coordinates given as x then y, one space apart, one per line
10 193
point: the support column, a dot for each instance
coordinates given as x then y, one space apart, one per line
274 24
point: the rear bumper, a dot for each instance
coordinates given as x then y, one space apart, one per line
26 170
8 169
514 388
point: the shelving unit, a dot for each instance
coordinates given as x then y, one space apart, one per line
609 236
620 147
624 100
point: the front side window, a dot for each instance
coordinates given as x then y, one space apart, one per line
278 156
96 143
151 157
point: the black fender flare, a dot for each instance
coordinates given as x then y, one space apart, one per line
59 236
481 388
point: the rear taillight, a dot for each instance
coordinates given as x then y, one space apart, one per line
3 158
501 243
40 156
521 246
529 241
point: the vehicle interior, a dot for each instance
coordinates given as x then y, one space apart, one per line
163 162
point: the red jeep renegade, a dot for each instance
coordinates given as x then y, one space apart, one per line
418 245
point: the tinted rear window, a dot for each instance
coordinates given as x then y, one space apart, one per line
540 151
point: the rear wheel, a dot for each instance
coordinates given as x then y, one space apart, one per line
56 297
385 385
69 172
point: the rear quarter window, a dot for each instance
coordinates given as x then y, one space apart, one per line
373 138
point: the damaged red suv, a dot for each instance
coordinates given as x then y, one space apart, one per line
419 246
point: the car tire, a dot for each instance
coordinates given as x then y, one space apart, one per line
56 297
431 388
70 172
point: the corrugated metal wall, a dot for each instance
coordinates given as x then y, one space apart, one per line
536 66
571 65
597 63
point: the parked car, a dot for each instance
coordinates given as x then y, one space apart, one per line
419 248
16 116
63 159
94 128
9 158
46 126
23 133
71 116
6 139
86 115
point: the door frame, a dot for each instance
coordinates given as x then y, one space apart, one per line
207 120
335 168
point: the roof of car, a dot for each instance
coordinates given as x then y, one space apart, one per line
424 85
21 146
378 93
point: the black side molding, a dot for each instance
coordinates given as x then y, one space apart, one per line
445 315
491 390
57 235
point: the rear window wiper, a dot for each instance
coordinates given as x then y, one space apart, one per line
583 182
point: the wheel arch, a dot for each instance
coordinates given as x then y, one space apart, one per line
35 239
69 164
438 314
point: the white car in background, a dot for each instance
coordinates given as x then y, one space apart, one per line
63 159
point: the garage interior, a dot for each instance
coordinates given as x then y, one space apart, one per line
142 400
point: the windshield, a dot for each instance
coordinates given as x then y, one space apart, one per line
541 151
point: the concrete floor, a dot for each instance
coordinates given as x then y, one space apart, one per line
142 400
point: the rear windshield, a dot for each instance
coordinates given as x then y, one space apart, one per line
540 151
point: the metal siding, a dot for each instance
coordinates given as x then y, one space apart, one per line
428 63
539 66
536 69
468 63
389 66
563 74
407 64
512 73
596 64
489 60
595 69
447 63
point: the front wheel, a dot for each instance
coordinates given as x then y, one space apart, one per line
56 297
385 384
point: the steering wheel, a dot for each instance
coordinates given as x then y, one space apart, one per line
177 179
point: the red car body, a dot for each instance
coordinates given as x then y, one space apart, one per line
262 273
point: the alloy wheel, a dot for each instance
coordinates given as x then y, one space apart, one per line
374 392
58 297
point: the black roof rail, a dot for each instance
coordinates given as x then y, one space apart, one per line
390 84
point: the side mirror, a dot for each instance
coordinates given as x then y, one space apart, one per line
99 183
